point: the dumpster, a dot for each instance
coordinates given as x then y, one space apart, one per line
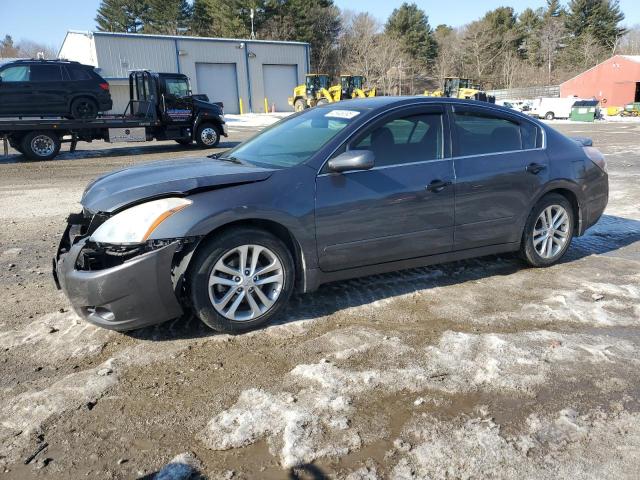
585 111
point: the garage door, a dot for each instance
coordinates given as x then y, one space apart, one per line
220 82
279 82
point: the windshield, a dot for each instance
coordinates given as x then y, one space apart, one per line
294 140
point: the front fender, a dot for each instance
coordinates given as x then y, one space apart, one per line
286 199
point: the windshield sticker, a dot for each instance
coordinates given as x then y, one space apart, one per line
348 114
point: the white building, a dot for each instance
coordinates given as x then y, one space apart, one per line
227 70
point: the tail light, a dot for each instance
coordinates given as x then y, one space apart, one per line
596 157
104 86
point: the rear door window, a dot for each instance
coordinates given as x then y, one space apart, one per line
16 74
46 73
481 133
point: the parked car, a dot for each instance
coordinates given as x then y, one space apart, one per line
334 192
551 108
52 87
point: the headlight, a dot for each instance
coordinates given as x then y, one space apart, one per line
136 224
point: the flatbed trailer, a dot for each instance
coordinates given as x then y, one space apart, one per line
156 111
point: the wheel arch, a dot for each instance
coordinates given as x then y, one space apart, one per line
569 191
275 228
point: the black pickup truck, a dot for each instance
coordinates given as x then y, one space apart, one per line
161 107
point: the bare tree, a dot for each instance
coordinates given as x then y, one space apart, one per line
358 43
551 35
630 43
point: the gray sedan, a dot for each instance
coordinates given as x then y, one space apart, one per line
343 190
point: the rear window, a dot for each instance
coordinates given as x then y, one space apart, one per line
46 73
482 133
78 73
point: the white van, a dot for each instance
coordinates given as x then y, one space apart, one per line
550 108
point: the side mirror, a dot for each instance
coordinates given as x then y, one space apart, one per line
352 160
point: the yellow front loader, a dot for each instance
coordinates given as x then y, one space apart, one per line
464 88
314 91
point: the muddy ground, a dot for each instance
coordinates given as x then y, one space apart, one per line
474 369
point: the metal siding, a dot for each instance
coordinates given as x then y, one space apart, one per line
214 52
273 54
279 82
219 81
120 96
119 53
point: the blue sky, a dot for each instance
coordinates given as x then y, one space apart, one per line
46 21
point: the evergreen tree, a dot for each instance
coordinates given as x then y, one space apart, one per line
121 15
7 47
169 17
219 18
599 19
554 9
410 25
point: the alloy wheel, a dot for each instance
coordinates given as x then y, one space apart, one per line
551 231
245 282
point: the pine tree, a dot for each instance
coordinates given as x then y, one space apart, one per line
7 47
220 18
598 19
169 17
121 15
411 26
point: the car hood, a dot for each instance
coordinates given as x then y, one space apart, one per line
118 189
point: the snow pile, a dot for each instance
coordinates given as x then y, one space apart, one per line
57 336
254 119
570 446
293 426
310 415
594 303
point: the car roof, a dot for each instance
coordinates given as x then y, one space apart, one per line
375 103
42 61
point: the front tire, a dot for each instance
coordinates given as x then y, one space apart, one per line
240 280
40 145
548 231
208 135
299 105
549 116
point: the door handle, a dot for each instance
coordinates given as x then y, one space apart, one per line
535 168
437 186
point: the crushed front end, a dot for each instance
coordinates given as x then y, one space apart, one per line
119 287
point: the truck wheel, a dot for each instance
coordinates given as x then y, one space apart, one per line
549 116
299 105
84 108
41 145
208 135
240 280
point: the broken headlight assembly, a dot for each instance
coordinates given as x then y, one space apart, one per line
136 224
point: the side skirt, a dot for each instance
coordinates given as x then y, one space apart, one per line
316 277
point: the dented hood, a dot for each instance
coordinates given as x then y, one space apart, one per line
118 189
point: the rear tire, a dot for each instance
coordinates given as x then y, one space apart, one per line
548 231
40 145
207 135
217 280
549 116
84 109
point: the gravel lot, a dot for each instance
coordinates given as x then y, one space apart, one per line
474 369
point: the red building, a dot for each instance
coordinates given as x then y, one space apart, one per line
615 82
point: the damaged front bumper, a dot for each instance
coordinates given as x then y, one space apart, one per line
135 293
